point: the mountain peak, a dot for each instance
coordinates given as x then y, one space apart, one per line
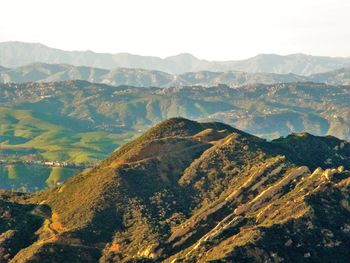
182 56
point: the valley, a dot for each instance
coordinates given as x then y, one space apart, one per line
31 176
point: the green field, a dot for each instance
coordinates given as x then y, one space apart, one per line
24 135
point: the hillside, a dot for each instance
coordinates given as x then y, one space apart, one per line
192 192
26 133
16 54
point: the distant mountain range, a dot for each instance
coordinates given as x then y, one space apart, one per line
42 72
16 54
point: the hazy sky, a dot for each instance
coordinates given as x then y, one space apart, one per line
220 29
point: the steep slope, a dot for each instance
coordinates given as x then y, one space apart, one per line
16 54
194 192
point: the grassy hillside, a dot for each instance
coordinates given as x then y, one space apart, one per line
59 174
24 134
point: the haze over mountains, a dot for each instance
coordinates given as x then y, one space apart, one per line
15 54
42 72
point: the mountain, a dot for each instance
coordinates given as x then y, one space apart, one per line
16 54
191 192
41 72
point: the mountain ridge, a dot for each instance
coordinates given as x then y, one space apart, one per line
14 54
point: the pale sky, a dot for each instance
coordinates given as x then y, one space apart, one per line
214 30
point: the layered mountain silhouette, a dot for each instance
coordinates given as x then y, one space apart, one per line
191 192
15 54
41 72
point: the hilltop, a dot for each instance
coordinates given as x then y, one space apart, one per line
192 192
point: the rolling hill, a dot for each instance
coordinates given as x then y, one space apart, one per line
15 54
191 192
23 133
80 121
